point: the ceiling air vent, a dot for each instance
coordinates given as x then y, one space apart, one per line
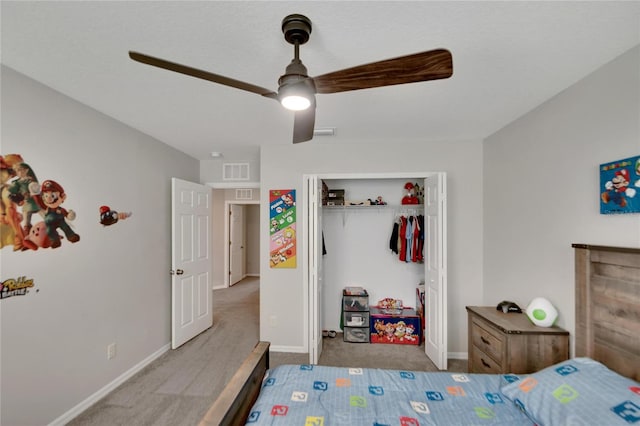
235 171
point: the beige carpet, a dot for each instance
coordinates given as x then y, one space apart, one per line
178 388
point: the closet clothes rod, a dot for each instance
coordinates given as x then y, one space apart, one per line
410 211
397 210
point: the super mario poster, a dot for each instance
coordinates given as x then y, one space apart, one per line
619 184
282 228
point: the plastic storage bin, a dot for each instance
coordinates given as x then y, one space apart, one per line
356 319
355 303
356 334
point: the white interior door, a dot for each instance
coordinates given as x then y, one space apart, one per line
436 270
191 291
313 192
237 259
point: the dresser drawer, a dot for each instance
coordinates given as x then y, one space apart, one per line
483 363
491 343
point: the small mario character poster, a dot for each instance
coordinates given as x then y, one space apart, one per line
619 184
282 228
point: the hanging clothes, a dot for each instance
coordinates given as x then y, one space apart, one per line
421 239
403 241
393 242
324 248
415 238
407 238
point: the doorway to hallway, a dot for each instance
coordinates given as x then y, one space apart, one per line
242 231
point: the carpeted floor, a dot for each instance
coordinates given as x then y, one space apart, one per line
178 388
337 353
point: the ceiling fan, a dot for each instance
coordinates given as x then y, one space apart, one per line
296 90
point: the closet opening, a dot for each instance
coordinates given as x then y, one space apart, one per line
349 245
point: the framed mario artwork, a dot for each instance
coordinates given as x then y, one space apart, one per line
619 186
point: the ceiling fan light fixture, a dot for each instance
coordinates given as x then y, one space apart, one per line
295 102
295 97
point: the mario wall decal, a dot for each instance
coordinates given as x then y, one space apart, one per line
22 200
109 217
619 184
50 198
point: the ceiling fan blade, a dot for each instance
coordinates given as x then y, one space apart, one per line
304 123
431 65
205 75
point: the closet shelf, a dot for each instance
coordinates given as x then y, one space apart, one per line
376 206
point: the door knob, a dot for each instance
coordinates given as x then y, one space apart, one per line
179 272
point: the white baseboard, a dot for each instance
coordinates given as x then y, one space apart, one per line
291 349
75 411
458 355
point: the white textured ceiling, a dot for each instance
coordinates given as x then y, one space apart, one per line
508 58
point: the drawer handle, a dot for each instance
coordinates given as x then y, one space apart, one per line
485 341
485 363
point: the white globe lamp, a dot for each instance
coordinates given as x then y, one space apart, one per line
541 312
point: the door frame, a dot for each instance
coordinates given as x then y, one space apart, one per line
312 265
227 228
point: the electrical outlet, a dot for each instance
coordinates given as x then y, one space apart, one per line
111 351
273 321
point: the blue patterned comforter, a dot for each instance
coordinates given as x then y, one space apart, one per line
315 395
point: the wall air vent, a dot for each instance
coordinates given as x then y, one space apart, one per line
235 171
244 194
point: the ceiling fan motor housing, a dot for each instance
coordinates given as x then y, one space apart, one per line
294 72
296 28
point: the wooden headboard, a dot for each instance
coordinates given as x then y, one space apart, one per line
608 306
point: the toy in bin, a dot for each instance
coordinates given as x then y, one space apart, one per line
390 306
354 304
355 299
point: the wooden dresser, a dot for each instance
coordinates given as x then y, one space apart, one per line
510 343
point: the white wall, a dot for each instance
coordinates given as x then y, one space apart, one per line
211 170
283 168
252 235
111 286
220 240
541 187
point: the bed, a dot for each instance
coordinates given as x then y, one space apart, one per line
599 386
